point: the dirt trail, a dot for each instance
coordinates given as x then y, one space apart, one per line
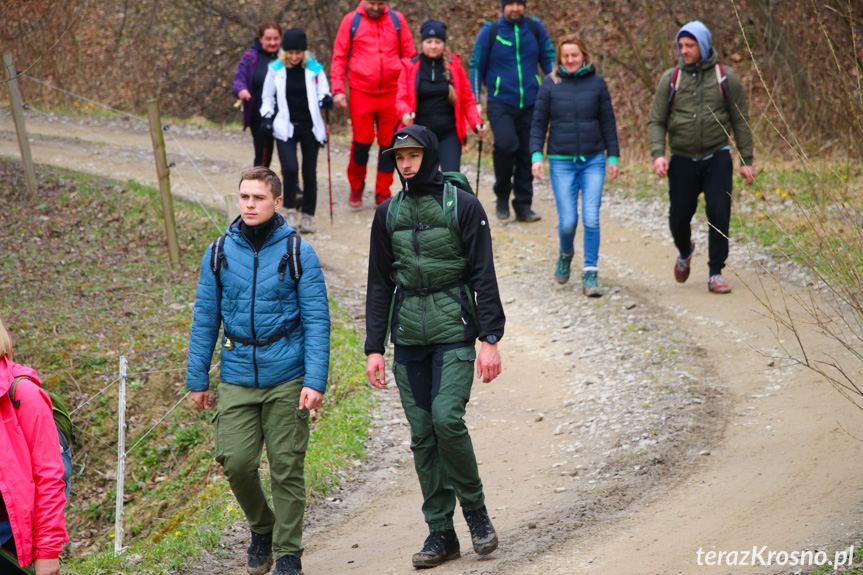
625 433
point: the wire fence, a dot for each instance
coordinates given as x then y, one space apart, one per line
197 196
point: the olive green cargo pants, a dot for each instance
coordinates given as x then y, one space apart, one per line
434 383
247 418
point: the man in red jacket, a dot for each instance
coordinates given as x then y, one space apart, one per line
369 47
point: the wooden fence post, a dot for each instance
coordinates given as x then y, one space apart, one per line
164 181
18 116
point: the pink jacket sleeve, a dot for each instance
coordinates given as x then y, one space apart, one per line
40 432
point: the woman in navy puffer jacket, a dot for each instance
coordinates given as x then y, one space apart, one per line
574 100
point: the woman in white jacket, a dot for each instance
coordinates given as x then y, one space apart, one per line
298 84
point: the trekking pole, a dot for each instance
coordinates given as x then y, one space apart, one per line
329 166
478 165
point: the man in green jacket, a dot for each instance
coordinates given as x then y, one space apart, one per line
433 288
698 104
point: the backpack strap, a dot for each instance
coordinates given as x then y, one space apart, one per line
356 24
291 259
218 259
16 403
675 84
398 26
450 208
534 29
393 212
722 80
492 36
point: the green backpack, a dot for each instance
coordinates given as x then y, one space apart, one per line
65 427
452 180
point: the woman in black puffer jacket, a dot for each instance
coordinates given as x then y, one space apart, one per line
574 100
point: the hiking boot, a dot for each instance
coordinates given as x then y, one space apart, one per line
527 216
291 217
482 532
307 226
260 554
439 546
589 285
356 198
289 565
502 211
381 198
561 271
717 285
683 265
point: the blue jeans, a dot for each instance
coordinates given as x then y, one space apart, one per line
567 178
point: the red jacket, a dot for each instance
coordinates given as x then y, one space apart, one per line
31 467
374 67
465 103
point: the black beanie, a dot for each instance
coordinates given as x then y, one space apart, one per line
294 39
433 29
505 2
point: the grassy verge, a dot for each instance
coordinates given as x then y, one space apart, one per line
91 282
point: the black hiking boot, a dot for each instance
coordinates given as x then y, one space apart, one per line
439 546
289 565
481 530
260 554
527 216
502 210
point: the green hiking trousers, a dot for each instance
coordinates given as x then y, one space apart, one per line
434 383
247 418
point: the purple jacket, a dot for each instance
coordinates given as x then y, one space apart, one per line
243 80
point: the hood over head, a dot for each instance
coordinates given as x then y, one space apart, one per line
428 178
699 32
9 370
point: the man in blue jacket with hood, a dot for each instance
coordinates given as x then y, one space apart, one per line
272 302
507 57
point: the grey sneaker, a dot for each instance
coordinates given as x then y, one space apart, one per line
589 285
482 533
307 226
717 285
439 546
561 270
291 218
260 554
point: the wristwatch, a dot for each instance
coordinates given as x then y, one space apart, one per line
492 339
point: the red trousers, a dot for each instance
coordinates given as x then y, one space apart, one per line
370 111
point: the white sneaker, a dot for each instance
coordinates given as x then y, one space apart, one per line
307 226
291 218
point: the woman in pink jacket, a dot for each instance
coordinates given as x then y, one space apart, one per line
434 92
32 491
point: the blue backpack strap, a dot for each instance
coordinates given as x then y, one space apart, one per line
354 26
398 27
291 259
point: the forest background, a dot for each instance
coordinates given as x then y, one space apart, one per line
800 61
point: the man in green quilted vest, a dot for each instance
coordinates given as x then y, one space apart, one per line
433 288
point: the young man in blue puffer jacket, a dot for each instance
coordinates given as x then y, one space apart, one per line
274 364
509 64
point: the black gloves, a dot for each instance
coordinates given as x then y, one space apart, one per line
326 102
267 125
